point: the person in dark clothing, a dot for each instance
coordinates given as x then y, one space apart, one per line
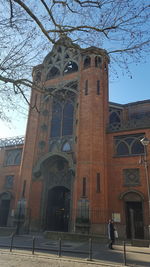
111 234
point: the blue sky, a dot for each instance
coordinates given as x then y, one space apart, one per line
124 89
121 90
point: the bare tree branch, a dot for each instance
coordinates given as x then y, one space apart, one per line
34 18
28 29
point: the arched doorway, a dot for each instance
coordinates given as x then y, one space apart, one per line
134 215
4 208
58 209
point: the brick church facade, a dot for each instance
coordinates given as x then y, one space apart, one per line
82 161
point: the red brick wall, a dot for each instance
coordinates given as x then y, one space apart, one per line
9 170
115 166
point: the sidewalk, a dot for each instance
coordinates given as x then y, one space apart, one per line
135 256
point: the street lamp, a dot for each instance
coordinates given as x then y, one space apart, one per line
145 142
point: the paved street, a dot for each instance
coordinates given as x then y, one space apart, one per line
20 260
136 256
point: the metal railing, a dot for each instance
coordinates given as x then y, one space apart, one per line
60 251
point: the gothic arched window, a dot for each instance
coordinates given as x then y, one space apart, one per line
56 120
98 61
67 127
62 119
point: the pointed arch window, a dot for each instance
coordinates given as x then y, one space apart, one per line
62 119
67 127
56 120
98 61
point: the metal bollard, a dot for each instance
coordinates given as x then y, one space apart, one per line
59 249
11 242
124 253
90 249
33 245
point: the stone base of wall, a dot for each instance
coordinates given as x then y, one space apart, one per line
73 236
140 243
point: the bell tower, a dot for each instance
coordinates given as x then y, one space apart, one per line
65 147
90 191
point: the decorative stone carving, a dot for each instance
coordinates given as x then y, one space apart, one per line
56 143
60 178
131 177
62 59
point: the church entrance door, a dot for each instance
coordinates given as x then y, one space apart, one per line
134 220
58 209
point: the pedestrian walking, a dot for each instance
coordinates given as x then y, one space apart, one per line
111 233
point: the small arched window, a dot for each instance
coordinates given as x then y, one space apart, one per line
53 73
98 62
70 67
87 62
